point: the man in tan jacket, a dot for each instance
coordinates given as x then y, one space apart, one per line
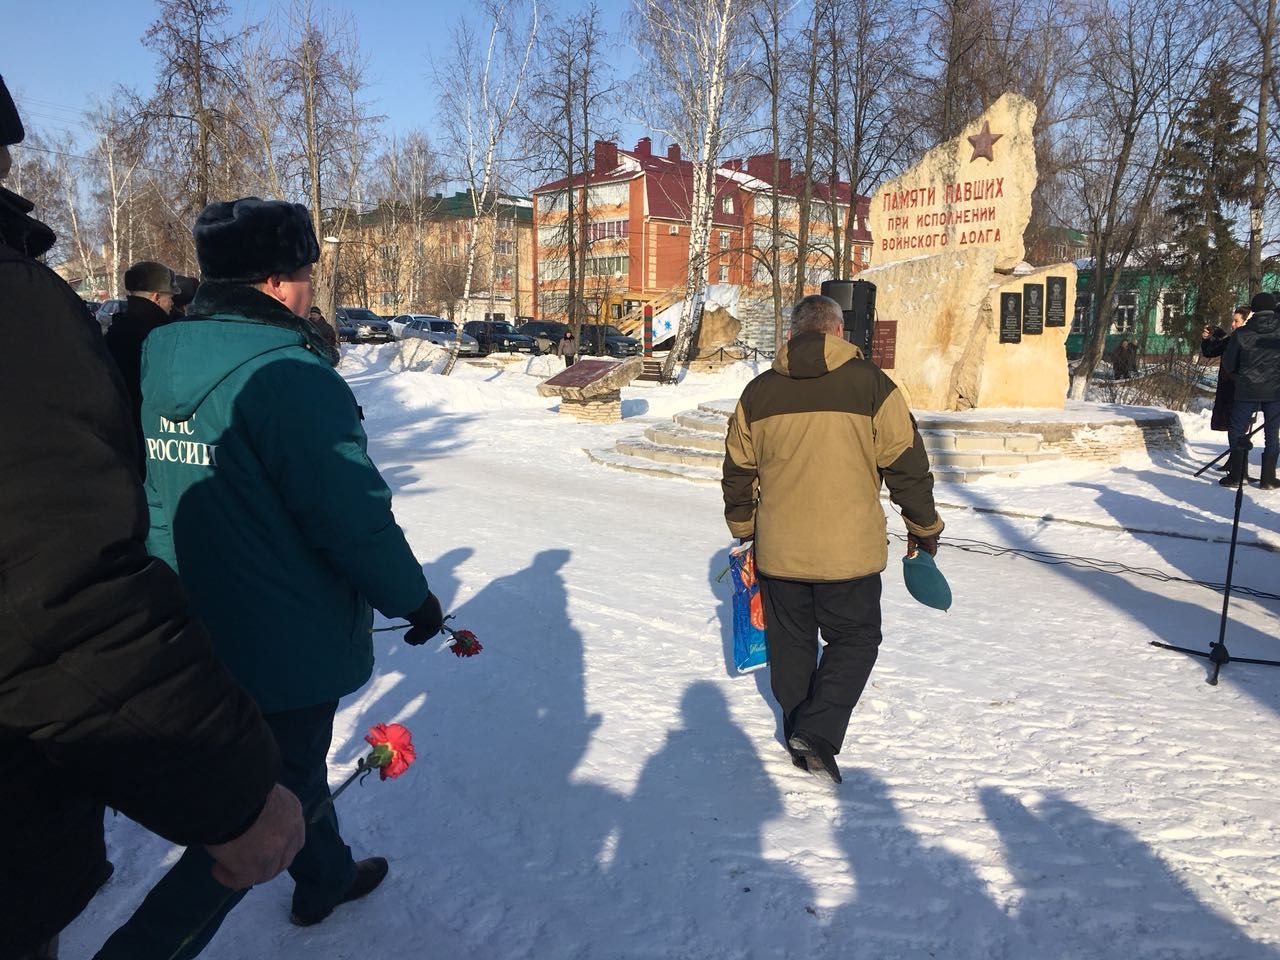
807 448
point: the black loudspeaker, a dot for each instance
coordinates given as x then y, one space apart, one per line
857 299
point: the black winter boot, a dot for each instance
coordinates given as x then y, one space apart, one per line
1236 465
1269 481
369 873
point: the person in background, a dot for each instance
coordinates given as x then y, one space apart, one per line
808 446
324 327
110 694
152 289
567 348
1213 344
253 440
187 287
1253 358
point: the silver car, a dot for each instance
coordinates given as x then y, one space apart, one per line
424 326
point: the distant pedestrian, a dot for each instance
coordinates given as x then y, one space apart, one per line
152 289
323 327
1253 356
1213 344
567 348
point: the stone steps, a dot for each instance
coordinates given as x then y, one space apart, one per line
691 447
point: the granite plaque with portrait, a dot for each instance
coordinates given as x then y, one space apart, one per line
1055 307
1010 318
1033 308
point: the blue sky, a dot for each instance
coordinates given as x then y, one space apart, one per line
58 55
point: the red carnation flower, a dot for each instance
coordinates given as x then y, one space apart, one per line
392 750
464 643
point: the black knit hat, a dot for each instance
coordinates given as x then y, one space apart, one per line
1262 301
187 287
248 240
147 276
11 131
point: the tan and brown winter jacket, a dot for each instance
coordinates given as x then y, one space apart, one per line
806 450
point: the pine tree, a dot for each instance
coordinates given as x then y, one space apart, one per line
1209 174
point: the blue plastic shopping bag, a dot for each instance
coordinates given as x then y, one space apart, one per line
749 649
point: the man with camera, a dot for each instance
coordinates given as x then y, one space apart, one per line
1253 359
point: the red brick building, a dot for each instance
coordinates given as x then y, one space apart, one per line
638 205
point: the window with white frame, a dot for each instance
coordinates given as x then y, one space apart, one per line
1084 312
1124 316
726 204
724 273
724 239
1170 312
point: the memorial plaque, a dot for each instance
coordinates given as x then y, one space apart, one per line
1010 318
884 343
583 373
1055 308
1033 308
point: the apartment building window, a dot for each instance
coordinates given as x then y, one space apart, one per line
505 248
724 273
726 204
724 239
606 229
389 251
607 266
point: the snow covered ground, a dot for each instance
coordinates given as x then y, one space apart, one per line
1024 778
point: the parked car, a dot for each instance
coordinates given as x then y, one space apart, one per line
108 311
498 336
358 325
604 339
425 326
546 333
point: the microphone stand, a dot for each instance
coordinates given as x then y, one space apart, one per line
1217 653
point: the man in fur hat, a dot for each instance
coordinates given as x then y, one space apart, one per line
253 441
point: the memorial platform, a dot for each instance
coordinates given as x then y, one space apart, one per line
963 446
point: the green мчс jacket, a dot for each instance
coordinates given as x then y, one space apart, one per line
264 500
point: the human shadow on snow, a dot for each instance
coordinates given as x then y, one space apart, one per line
505 823
690 862
914 900
1092 889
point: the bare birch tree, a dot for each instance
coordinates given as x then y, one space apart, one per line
480 94
696 62
1144 60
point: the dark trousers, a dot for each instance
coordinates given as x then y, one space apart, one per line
1243 410
816 695
184 910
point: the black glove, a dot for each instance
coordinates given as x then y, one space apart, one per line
427 621
928 544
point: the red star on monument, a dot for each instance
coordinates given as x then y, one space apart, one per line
983 142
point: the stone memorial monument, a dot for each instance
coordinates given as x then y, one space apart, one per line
961 320
592 389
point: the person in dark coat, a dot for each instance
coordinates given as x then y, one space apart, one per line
187 287
264 499
1253 358
326 329
567 347
152 289
110 694
1213 343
